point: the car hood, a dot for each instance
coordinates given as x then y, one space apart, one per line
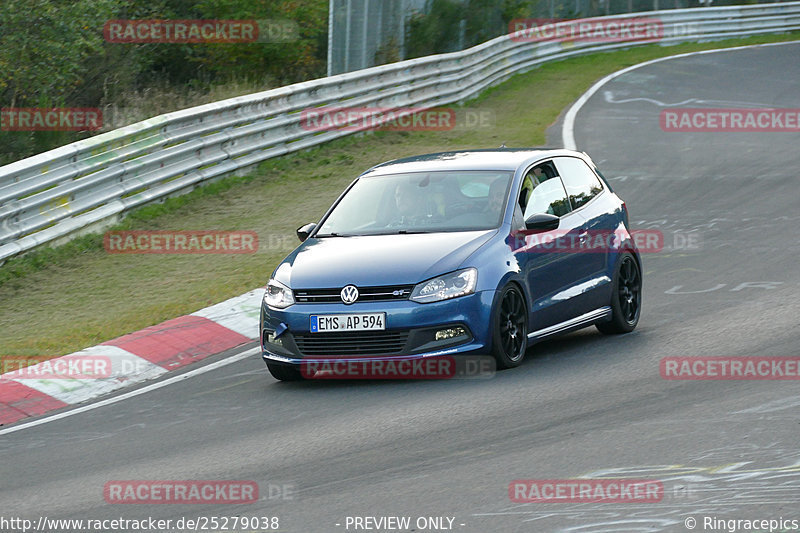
376 260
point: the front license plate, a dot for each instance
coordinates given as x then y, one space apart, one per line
362 322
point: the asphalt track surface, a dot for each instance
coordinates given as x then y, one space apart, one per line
582 405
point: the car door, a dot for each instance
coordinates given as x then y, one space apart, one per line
590 270
548 265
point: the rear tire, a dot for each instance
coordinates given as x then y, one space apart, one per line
284 372
626 297
510 328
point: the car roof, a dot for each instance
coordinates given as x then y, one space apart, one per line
489 159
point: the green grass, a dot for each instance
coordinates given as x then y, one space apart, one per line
59 300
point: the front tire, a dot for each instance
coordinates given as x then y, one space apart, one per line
626 297
509 328
284 372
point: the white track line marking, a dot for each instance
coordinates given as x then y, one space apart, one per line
568 129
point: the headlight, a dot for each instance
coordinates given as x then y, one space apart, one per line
278 295
453 285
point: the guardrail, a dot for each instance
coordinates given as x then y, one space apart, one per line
85 185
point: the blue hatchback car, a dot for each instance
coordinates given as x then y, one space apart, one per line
468 252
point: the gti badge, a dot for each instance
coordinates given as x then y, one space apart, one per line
349 294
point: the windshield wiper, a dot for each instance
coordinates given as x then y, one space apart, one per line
334 234
397 232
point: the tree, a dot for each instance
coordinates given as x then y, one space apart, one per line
43 44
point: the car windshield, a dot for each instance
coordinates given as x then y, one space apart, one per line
420 202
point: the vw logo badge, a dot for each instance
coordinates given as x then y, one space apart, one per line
349 294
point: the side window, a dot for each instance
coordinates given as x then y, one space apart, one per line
581 183
548 197
547 194
533 178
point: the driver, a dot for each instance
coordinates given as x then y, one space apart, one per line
497 193
409 205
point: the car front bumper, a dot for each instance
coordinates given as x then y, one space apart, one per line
409 334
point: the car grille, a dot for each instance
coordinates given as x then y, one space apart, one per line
365 294
361 343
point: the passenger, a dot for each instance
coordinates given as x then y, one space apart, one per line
538 176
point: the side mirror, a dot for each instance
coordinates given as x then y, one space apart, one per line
542 221
304 231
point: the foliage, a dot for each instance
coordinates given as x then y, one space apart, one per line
43 46
439 29
53 54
